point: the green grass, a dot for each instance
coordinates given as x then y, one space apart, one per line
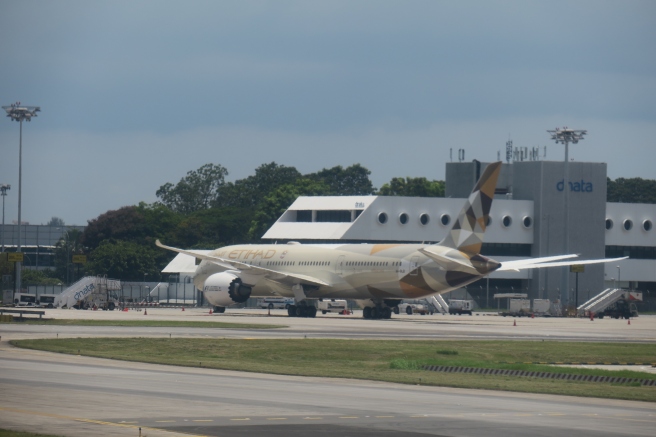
147 323
393 361
8 433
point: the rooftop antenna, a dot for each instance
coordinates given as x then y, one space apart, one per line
509 151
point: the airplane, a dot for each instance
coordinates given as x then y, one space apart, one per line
376 276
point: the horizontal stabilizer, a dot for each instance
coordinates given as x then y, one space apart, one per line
551 261
449 263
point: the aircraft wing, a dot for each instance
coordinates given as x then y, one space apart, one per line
251 270
550 261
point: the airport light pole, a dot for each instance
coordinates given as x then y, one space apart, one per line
19 113
566 136
3 192
619 281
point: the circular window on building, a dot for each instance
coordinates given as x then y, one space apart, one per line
445 219
507 221
527 222
646 225
609 224
382 218
628 225
403 218
424 219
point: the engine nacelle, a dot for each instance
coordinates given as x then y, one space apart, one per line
224 289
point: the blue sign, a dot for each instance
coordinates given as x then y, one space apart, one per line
576 186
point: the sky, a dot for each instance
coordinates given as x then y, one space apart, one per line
134 94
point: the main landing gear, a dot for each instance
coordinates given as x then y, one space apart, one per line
377 312
302 310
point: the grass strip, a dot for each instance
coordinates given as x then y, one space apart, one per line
8 433
382 360
147 323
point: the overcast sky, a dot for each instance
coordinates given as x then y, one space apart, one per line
135 94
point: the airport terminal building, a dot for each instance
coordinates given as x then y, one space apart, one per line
527 220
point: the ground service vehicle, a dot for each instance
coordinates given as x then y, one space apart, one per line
459 306
275 303
24 300
623 308
332 306
412 308
46 301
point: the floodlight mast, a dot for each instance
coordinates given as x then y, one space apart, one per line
18 112
3 192
566 136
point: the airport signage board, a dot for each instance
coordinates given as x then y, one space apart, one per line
577 268
15 257
79 259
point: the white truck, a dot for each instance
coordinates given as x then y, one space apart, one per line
46 300
332 306
24 300
461 306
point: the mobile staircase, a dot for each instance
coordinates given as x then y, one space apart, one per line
439 303
90 291
602 301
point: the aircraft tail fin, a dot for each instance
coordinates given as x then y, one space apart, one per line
467 232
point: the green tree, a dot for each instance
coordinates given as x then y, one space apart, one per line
40 277
55 221
350 181
279 200
215 227
249 192
413 187
126 223
198 190
633 190
124 260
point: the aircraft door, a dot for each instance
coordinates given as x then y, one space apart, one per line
339 265
414 264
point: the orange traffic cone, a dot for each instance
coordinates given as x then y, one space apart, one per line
182 308
145 312
629 321
514 322
532 315
210 310
591 316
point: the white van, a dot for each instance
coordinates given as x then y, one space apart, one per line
275 303
332 306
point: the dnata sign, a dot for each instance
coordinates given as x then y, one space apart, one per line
576 186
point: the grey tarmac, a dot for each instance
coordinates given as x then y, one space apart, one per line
82 396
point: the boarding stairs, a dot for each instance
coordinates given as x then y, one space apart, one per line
85 288
601 301
439 303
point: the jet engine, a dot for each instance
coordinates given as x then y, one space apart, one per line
225 288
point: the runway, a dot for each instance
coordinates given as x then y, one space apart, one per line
81 396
